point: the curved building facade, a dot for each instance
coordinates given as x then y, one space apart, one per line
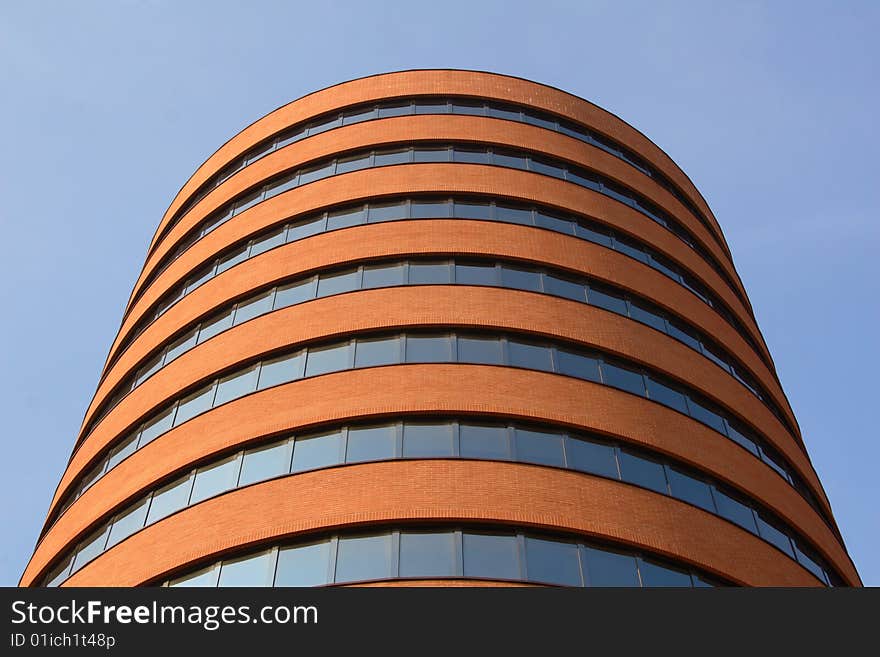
439 327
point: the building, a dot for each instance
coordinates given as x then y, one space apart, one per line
439 326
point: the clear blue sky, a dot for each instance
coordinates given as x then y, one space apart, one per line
108 107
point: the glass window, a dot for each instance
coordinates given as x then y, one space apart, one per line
379 212
294 293
547 168
156 426
305 228
565 288
430 209
248 201
93 474
254 307
642 471
484 442
317 451
538 121
475 274
770 533
490 556
191 405
337 283
128 523
252 570
169 499
714 355
346 218
647 317
90 548
682 335
303 565
504 113
397 109
485 351
739 437
587 456
280 370
554 223
153 365
122 450
204 274
374 352
426 154
624 379
521 279
473 107
181 345
630 249
427 440
428 349
231 259
603 568
664 266
60 573
735 511
774 460
200 578
371 443
282 185
654 574
235 385
384 275
427 554
513 215
606 300
470 155
471 210
215 479
353 163
363 558
529 355
571 363
539 447
290 136
508 159
809 562
432 107
322 360
263 463
591 235
552 562
358 115
216 324
665 395
427 273
704 415
385 158
325 124
691 490
266 242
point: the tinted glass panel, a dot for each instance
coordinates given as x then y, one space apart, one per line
382 351
232 259
573 364
383 275
150 367
428 349
215 325
358 115
608 302
363 557
387 212
680 334
594 236
741 438
200 277
773 535
328 359
265 462
305 228
552 562
427 440
254 570
539 447
156 427
317 451
304 565
289 295
531 356
484 442
465 210
347 164
371 443
423 154
490 556
624 246
325 124
198 402
647 317
427 554
468 107
128 523
236 385
346 218
690 490
564 288
122 450
281 370
501 113
90 548
591 457
206 577
395 110
423 273
656 575
470 156
703 414
620 377
609 568
666 396
641 471
735 511
431 107
214 479
554 223
392 157
521 279
169 499
513 215
337 283
181 345
430 209
546 168
487 351
316 173
475 274
253 308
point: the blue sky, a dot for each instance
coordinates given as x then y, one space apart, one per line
108 107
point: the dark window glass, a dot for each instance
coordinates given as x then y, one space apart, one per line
484 442
704 415
398 109
591 235
554 223
263 463
383 275
425 273
619 194
317 451
235 385
280 370
248 201
200 277
321 360
305 228
624 379
191 405
565 288
427 440
128 523
514 215
654 574
231 259
253 307
426 154
490 556
538 121
663 265
572 131
215 479
294 293
475 108
325 124
363 558
470 156
432 107
570 363
215 325
149 368
316 173
552 562
252 570
511 160
739 437
606 300
169 499
371 443
303 565
380 212
684 335
466 210
647 317
735 511
380 351
60 573
358 115
122 450
338 282
474 274
290 137
521 279
427 554
539 447
772 534
603 568
774 460
156 426
542 166
353 163
486 351
346 218
428 349
430 209
529 355
665 395
691 490
642 471
591 457
385 158
502 113
809 562
713 355
630 249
